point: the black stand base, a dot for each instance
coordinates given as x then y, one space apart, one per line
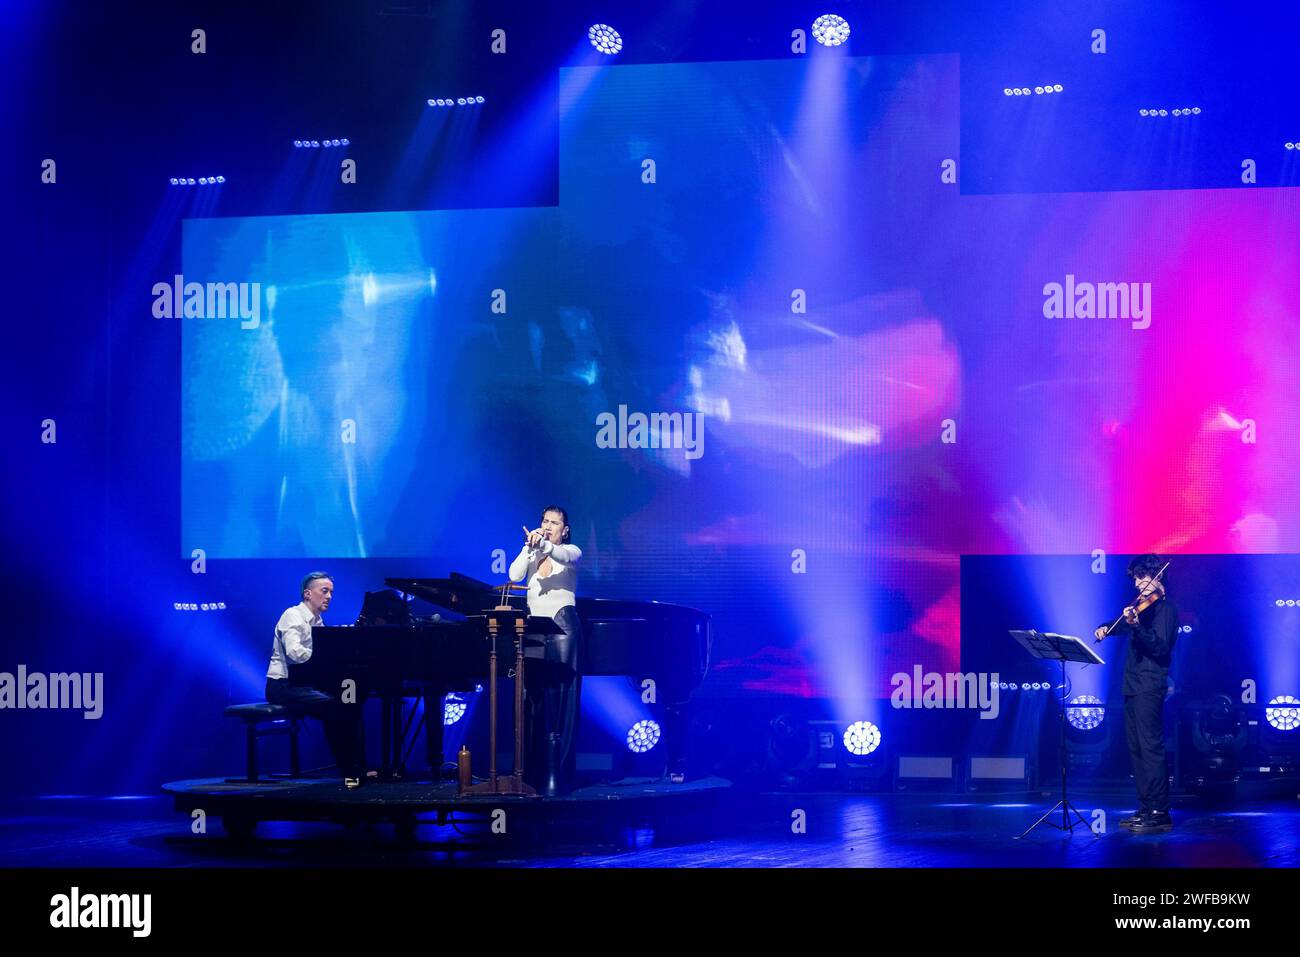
1068 823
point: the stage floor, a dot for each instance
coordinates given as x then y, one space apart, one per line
755 830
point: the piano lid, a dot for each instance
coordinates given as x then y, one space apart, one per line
469 596
622 637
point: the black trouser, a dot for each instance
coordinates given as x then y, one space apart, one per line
343 728
1146 746
553 689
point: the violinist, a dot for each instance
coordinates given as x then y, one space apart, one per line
1151 622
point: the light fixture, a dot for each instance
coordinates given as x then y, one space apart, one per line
861 738
605 38
830 30
643 736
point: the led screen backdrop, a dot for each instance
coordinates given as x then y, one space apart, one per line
888 372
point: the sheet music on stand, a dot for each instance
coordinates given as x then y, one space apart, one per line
1053 647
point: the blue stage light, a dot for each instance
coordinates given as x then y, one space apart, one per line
830 30
315 144
176 182
453 708
345 141
190 181
1085 712
861 738
460 101
221 179
203 181
605 38
479 99
1283 712
643 736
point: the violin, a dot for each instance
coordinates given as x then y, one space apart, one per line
1145 601
1146 598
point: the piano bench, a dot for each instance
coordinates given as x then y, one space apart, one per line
264 720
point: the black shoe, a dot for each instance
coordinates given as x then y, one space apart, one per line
1153 822
1131 819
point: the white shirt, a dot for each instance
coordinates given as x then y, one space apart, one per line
292 639
548 594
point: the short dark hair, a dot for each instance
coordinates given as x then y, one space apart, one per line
1147 564
563 514
314 576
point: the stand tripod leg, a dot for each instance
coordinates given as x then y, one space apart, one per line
1042 820
1067 825
1082 820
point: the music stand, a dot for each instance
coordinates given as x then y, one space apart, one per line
1062 648
493 623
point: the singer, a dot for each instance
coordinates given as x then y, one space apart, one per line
549 564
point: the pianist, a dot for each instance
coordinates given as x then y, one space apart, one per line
292 645
550 566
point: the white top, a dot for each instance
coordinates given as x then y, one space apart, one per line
292 639
548 594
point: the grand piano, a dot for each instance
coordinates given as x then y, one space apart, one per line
394 654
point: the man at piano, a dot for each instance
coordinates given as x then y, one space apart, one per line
549 564
292 645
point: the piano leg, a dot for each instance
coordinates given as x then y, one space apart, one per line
390 736
676 722
433 729
395 722
385 737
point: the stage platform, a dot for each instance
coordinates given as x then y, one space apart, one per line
737 829
241 805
